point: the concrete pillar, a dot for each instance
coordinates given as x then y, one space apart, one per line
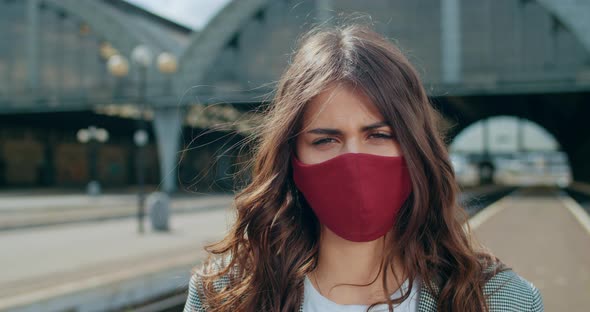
450 41
33 44
168 127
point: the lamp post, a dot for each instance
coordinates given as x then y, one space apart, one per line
142 57
93 135
140 138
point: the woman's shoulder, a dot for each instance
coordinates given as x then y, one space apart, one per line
508 291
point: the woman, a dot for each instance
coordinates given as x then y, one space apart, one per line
352 205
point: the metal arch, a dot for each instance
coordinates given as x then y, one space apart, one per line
116 28
204 46
573 14
105 23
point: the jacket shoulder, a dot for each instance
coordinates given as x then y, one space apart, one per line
194 301
505 291
508 291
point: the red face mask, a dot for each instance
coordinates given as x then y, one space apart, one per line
356 195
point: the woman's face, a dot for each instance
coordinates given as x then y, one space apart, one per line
343 120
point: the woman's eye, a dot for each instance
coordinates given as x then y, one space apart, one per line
381 136
323 141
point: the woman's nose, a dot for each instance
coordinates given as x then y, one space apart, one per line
352 146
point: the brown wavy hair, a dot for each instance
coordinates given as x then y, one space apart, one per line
273 243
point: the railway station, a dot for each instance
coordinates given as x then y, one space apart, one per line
107 104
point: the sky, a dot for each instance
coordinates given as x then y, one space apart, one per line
191 13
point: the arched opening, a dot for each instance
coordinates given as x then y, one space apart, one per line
510 151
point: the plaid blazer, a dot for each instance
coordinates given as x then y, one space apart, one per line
508 292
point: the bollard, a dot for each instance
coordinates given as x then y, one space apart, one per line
158 205
93 188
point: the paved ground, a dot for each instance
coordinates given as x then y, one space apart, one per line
537 235
44 262
20 210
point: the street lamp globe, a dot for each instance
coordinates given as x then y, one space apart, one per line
107 50
167 63
83 135
142 55
140 137
102 135
118 65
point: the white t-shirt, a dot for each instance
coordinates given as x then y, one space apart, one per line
313 301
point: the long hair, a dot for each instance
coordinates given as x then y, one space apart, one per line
273 243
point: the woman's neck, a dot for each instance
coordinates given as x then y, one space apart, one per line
345 262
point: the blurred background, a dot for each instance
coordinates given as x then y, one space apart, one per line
124 126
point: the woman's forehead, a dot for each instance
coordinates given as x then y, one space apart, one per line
341 103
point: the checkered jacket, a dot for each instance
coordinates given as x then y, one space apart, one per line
508 292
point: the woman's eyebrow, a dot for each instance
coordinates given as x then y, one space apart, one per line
325 131
374 126
330 131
